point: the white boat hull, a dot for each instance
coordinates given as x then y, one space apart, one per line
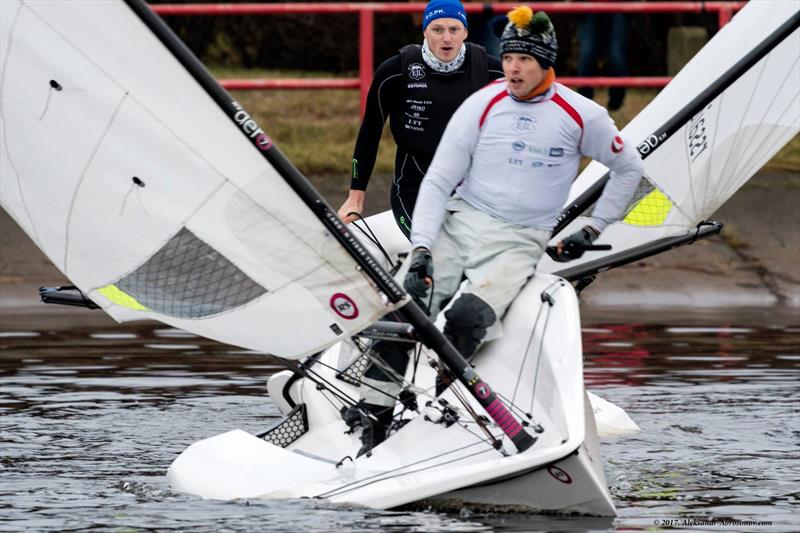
575 484
237 465
536 365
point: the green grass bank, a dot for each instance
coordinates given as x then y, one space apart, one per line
317 128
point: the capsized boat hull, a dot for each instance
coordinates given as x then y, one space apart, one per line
535 366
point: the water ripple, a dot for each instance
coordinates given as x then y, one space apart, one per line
92 417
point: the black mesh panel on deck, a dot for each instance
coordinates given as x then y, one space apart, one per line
187 278
352 374
289 429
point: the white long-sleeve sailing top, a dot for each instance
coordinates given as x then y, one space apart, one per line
517 159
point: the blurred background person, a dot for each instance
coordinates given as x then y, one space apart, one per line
486 26
417 90
599 35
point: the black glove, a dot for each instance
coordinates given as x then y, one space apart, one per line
421 268
574 245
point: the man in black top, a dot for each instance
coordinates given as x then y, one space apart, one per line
418 90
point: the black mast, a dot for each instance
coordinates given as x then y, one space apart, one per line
424 328
658 137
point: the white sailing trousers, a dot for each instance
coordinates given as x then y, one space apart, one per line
496 257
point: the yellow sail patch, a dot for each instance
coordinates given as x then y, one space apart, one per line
121 298
652 210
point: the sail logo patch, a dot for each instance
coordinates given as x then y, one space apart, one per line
416 71
617 144
651 143
250 128
344 306
559 474
697 135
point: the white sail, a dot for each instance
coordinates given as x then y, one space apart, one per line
138 187
694 171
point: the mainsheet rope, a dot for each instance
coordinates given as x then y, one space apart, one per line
397 471
371 235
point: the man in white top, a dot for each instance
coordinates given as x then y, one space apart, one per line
510 152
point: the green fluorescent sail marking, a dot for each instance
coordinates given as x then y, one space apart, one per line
652 210
121 298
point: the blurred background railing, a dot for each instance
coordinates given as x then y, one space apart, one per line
366 33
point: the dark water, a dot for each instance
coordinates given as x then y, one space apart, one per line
93 413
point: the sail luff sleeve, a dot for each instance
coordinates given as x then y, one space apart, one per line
430 336
656 139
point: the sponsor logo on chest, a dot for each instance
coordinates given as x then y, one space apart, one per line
544 151
523 123
416 71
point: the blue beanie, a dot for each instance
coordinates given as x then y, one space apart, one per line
443 9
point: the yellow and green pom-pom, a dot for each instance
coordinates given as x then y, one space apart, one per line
521 16
541 23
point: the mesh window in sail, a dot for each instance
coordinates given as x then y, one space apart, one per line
643 188
649 206
289 429
187 278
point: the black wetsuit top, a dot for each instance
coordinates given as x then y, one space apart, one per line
418 102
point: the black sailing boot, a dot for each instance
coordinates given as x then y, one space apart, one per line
376 426
467 321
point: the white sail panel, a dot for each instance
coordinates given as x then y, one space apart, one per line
693 172
747 29
729 140
149 198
